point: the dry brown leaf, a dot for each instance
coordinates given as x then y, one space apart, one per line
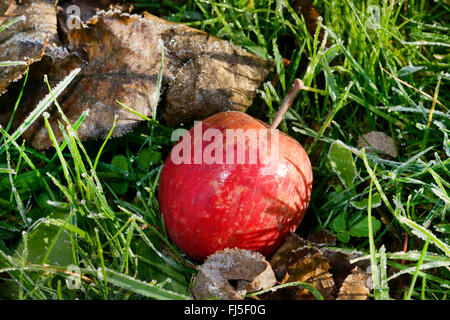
207 75
116 70
293 249
57 68
28 38
89 8
324 268
69 10
314 271
121 57
379 142
354 286
248 269
340 263
322 237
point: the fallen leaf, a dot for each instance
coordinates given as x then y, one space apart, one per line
207 75
322 237
249 270
57 68
340 263
379 142
26 40
293 249
72 13
326 269
117 65
121 57
89 8
354 286
313 270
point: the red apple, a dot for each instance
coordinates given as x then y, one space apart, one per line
209 205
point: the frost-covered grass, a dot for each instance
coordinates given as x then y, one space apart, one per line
82 220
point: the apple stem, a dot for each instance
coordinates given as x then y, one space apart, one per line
287 102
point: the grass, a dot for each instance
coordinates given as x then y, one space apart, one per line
79 222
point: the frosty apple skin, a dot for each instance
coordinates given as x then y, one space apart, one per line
210 207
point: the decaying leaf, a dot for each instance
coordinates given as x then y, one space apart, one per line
57 68
117 65
313 270
328 270
88 8
341 267
379 142
121 57
322 237
33 33
248 270
293 249
354 286
299 261
207 75
72 13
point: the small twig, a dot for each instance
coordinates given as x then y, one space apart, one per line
3 16
405 246
287 102
44 46
83 278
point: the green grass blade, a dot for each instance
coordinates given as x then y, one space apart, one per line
14 271
419 264
43 106
140 287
